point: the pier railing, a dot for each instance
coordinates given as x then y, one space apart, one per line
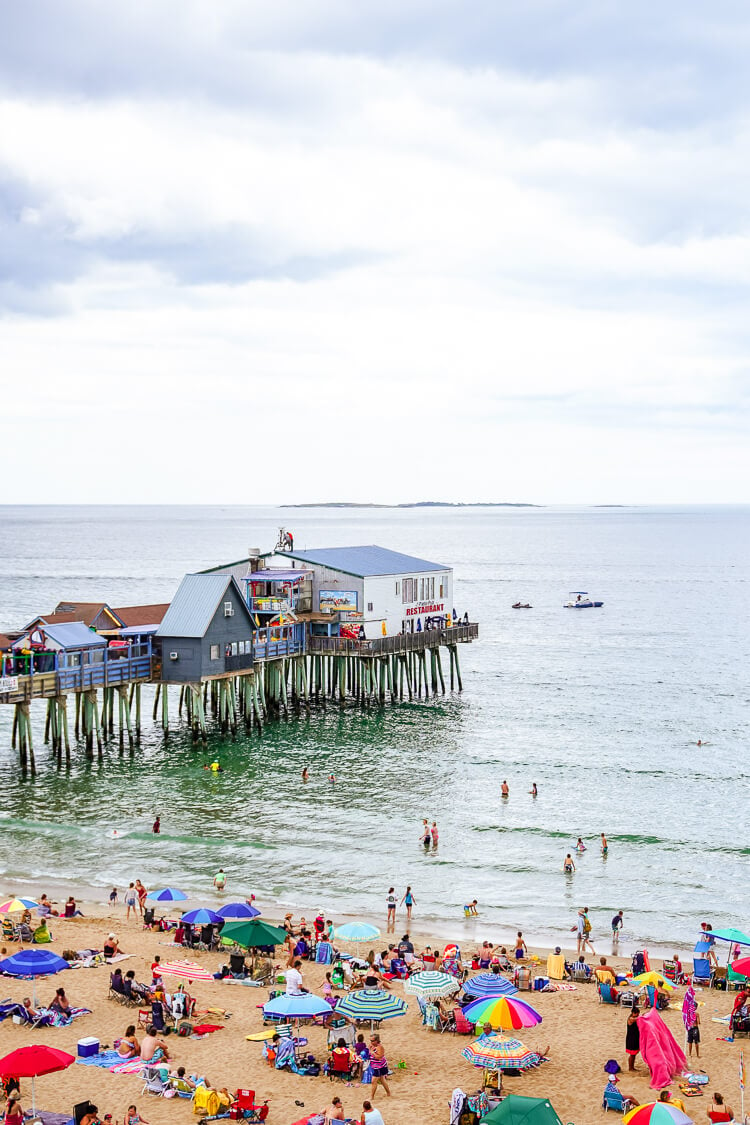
278 640
78 670
399 643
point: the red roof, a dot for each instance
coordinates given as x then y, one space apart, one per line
134 615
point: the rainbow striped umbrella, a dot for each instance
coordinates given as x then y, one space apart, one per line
505 1012
187 969
489 984
500 1052
371 1004
430 983
17 905
656 1113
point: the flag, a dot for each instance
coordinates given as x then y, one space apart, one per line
742 1071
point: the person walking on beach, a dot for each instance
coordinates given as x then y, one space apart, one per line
694 1034
617 923
587 931
131 901
410 901
632 1036
390 902
141 891
378 1066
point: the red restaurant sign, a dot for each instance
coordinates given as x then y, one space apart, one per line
416 610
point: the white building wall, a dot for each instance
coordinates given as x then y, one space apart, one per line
385 594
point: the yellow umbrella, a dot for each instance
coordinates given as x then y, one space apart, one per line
658 980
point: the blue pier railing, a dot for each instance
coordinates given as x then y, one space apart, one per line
94 668
278 640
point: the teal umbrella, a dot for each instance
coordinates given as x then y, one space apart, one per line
517 1110
732 935
357 931
253 932
371 1004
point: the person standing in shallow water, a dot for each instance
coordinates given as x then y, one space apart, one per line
409 901
434 834
504 790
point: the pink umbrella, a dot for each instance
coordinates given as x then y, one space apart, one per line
187 969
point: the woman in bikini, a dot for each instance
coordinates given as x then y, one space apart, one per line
129 1047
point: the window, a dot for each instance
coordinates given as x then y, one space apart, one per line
421 589
398 584
442 589
214 652
235 648
369 607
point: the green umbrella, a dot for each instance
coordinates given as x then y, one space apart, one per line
517 1110
252 932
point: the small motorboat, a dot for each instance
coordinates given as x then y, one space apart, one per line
521 605
579 599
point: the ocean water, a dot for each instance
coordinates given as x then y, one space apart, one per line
601 708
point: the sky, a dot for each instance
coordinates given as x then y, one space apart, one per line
375 251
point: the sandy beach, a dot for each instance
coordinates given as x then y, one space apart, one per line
581 1033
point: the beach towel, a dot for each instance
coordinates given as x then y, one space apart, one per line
660 1050
105 1059
458 1097
128 1066
689 1008
556 966
206 1029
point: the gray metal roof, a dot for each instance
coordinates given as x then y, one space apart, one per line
366 562
70 635
198 596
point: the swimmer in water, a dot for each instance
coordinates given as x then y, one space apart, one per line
533 790
504 790
605 845
305 774
332 779
580 846
568 866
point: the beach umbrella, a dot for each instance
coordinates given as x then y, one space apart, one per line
371 1004
505 1012
238 910
737 937
742 967
17 905
305 1006
518 1110
253 932
658 980
33 963
489 984
500 1052
168 894
30 1062
656 1113
357 931
201 917
187 969
430 984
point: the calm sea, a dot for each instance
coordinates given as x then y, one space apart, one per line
601 708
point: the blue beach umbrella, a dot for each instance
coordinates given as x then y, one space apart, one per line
168 894
238 910
305 1006
371 1004
357 931
202 917
33 963
489 984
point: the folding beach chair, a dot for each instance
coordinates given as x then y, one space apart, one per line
154 1081
605 993
702 973
613 1099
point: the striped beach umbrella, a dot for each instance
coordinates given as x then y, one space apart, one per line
168 894
500 1052
489 984
357 931
187 969
505 1012
430 984
656 980
17 905
202 917
656 1113
371 1004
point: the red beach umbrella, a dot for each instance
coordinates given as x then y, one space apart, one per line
30 1062
742 966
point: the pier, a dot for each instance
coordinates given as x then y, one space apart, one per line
234 657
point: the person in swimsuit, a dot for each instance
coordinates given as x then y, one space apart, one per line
379 1066
533 791
142 893
410 901
390 902
504 790
305 774
521 950
426 838
434 834
605 845
568 866
131 898
632 1037
129 1047
580 846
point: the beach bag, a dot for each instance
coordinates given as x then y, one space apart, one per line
586 924
185 1029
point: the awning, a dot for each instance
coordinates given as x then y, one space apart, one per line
277 575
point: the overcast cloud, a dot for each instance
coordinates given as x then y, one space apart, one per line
375 251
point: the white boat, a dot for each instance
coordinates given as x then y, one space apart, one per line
579 599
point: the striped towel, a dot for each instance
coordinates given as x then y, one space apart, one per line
129 1066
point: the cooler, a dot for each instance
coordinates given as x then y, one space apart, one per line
88 1047
540 983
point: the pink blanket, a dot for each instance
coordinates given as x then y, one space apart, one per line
660 1050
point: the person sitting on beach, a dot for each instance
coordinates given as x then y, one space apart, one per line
132 1117
182 1080
153 1049
117 983
666 1098
370 1115
333 1112
42 936
129 1047
71 909
111 947
501 960
580 966
294 980
406 950
14 1113
628 1101
60 1003
341 1058
134 990
604 973
45 907
719 1110
484 955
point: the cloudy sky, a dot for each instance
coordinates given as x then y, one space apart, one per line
381 251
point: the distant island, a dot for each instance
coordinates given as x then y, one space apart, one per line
418 504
